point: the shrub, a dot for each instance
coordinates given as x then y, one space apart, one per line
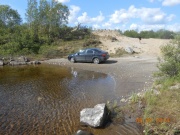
170 62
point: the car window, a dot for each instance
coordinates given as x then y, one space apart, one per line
89 52
97 51
82 51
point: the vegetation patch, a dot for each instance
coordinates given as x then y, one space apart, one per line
163 110
119 52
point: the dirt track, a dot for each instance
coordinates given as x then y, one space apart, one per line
131 74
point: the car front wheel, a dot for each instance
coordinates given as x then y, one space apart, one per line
72 60
96 61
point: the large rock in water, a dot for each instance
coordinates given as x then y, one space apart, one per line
94 117
1 63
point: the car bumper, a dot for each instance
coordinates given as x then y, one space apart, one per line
104 58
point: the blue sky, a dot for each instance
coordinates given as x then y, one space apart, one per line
117 14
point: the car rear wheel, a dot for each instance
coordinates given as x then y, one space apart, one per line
72 60
96 61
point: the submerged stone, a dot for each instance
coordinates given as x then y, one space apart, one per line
81 132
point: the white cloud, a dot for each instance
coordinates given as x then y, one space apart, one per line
107 24
84 18
152 15
146 27
96 26
170 2
134 26
172 27
170 17
147 15
74 10
63 1
120 16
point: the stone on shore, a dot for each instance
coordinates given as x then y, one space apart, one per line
1 63
129 50
94 117
23 59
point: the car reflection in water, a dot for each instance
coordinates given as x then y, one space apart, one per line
91 75
73 72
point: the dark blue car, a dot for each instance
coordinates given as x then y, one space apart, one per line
94 55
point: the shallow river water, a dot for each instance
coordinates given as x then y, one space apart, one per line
47 99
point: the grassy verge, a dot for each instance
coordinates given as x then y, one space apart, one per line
163 110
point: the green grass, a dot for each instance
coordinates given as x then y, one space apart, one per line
163 109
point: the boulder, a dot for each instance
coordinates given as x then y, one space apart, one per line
36 62
23 59
1 63
13 63
80 132
129 50
94 117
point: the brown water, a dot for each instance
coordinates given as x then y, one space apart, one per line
48 99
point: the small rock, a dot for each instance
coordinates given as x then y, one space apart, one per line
156 92
175 87
123 100
23 59
36 62
129 50
80 132
1 63
13 63
136 56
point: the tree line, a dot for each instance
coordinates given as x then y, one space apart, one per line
46 25
161 34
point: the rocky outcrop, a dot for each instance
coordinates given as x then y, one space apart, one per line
21 61
14 63
1 63
17 61
94 117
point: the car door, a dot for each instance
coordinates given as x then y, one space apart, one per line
80 56
89 55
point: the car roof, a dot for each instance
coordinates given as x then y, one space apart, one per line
93 49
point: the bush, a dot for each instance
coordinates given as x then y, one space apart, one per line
49 51
170 62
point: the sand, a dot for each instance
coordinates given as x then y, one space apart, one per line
144 47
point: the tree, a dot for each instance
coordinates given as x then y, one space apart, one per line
32 19
52 16
9 17
131 33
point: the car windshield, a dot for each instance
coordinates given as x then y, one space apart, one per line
81 51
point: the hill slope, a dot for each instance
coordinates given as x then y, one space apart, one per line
144 47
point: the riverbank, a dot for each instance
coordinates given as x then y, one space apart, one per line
131 74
